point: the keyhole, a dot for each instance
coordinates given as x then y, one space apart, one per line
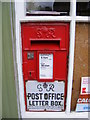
30 73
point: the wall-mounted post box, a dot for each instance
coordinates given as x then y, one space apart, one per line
45 49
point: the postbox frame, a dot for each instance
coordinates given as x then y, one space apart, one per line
62 48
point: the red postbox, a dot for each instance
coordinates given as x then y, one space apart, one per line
45 50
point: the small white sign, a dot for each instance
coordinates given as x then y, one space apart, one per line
45 96
83 102
46 66
85 85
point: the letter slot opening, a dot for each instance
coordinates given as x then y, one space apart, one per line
45 44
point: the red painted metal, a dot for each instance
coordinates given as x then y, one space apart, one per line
45 38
